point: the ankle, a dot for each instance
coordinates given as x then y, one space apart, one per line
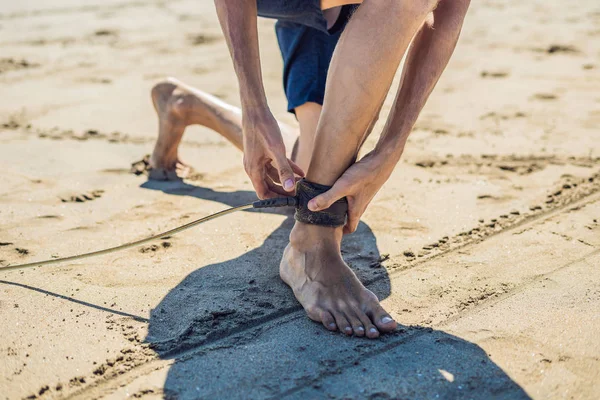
306 237
179 107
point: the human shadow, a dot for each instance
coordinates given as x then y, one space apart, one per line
76 301
181 188
236 331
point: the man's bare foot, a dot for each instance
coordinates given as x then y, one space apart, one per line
326 287
174 106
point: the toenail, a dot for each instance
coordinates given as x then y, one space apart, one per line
386 320
372 330
332 325
348 329
360 328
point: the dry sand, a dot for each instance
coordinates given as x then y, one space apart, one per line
484 244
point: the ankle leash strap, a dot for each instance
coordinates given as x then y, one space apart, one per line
333 216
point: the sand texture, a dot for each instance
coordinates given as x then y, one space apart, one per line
484 244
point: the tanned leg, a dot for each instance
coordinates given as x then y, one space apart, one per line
308 117
312 266
178 106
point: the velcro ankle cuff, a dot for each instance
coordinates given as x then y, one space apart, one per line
333 216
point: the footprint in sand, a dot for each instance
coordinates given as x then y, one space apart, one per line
106 32
200 39
80 198
21 251
155 247
502 116
13 64
494 74
557 49
545 96
560 48
49 217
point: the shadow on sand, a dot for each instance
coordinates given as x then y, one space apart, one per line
236 331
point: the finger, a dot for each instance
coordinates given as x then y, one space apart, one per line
269 194
297 170
325 200
273 174
260 186
262 191
352 223
286 175
278 190
346 230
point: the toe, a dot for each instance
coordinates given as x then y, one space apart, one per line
370 330
328 321
359 330
342 323
357 326
380 317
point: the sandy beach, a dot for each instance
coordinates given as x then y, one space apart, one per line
484 244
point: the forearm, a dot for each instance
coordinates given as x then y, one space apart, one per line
429 54
238 22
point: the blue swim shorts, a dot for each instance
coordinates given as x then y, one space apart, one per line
306 45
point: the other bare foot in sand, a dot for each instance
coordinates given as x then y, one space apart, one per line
326 287
174 106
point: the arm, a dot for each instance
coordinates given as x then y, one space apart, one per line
238 22
264 151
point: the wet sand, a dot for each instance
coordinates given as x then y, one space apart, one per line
484 244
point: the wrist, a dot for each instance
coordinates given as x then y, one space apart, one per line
253 101
388 152
258 121
254 105
255 110
256 113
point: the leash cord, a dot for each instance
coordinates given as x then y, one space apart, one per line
268 203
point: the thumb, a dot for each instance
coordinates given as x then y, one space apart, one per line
325 200
286 174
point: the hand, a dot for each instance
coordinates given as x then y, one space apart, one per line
359 184
265 162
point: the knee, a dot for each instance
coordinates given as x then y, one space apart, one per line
457 6
422 7
454 10
404 8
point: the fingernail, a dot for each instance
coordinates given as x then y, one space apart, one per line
386 320
288 185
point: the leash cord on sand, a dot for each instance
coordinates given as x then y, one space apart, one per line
268 203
